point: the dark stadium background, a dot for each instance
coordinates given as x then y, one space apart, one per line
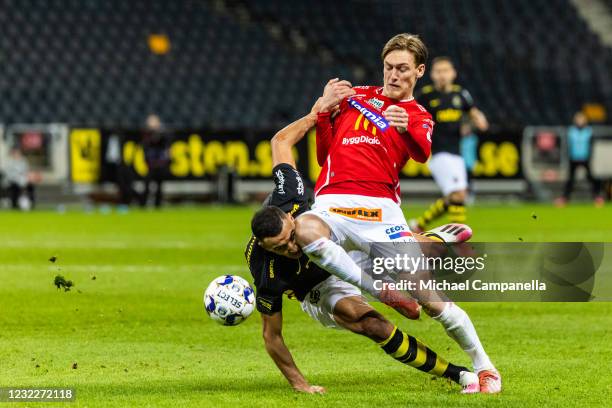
233 72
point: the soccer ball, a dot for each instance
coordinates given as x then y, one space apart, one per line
229 300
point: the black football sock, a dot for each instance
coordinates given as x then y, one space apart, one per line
411 351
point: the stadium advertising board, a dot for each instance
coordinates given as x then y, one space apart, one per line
200 154
85 155
497 155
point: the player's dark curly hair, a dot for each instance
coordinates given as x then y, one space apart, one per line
267 222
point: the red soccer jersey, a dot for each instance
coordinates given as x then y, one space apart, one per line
361 153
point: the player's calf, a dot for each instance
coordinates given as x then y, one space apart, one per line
411 351
360 318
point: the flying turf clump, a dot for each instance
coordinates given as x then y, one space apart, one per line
60 282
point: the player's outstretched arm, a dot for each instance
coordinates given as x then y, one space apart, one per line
333 94
479 120
284 140
278 351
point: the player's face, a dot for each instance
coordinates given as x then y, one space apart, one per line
284 243
400 74
443 74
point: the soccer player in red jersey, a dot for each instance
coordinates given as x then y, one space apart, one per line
325 298
365 136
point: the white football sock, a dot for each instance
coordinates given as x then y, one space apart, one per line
334 259
459 327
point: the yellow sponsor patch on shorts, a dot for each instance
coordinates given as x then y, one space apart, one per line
360 213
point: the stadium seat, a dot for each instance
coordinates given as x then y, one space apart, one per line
56 54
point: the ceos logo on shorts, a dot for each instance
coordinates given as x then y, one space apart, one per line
398 231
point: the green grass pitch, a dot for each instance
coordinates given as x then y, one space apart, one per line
135 326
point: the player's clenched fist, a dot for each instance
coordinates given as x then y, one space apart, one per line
334 92
397 117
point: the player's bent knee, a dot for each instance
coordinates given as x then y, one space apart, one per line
375 326
370 324
309 228
354 314
457 197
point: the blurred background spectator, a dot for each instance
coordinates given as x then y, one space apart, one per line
19 180
579 143
119 172
157 158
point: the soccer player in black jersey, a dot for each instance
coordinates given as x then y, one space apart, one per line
449 104
327 299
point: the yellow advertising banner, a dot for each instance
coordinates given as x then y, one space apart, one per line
85 155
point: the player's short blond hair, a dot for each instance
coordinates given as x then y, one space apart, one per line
407 42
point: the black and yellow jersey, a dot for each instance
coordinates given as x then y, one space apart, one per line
447 109
275 275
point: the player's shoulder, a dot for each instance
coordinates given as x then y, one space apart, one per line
289 192
288 179
467 96
254 254
261 264
413 107
425 94
282 171
461 90
427 89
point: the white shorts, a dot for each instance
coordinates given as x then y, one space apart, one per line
448 170
357 220
361 222
321 300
